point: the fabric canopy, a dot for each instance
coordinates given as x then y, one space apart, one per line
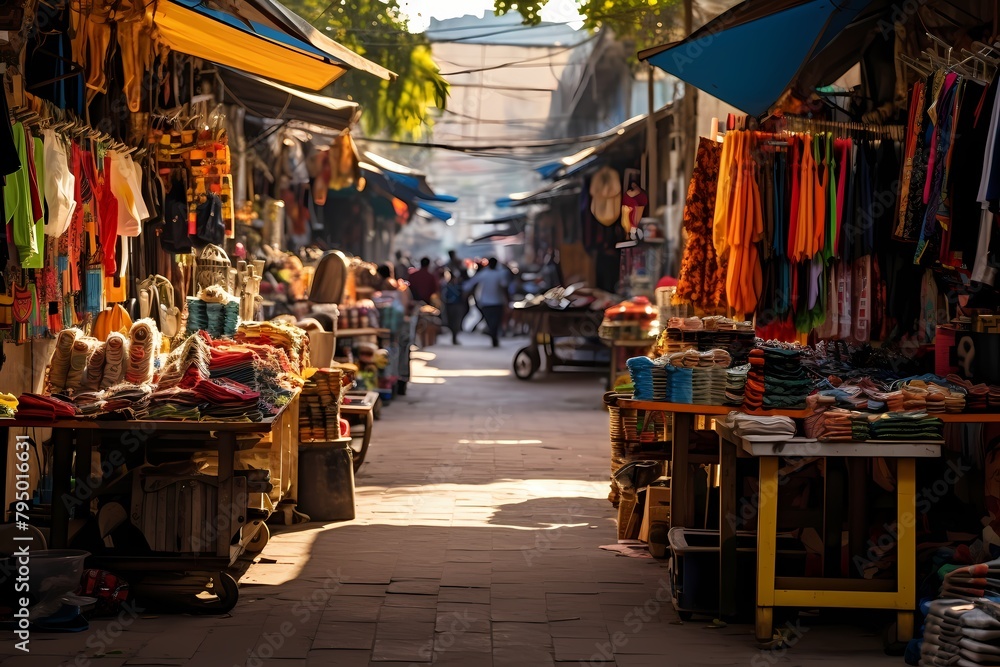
191 27
268 99
750 55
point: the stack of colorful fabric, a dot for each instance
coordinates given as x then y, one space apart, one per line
758 425
641 371
174 403
192 358
235 362
680 387
736 382
964 629
226 400
43 408
786 384
753 395
910 425
319 405
131 400
290 338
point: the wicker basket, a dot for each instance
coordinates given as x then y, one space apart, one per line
212 268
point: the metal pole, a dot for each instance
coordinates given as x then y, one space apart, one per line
652 175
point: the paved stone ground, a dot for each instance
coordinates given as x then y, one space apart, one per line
481 511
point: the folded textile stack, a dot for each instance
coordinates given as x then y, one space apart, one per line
174 403
829 423
909 425
319 405
736 382
43 408
680 387
226 400
641 371
235 362
293 340
751 425
191 358
197 315
994 397
978 397
963 632
786 384
129 399
753 394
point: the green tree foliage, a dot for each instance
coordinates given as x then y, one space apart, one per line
377 30
642 23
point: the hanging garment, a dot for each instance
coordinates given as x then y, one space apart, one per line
940 148
971 138
107 217
723 197
702 277
18 206
745 229
60 185
914 127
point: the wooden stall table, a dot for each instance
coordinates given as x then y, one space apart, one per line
79 436
362 406
681 507
811 592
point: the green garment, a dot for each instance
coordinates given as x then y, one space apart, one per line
17 204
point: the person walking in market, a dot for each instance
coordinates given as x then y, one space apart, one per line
492 282
423 282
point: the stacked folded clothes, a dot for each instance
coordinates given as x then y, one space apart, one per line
755 425
679 384
753 393
641 371
235 362
909 425
288 337
736 381
319 405
43 408
215 311
129 399
963 631
786 384
192 358
225 400
174 403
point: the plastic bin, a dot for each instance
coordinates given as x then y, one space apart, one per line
54 574
694 569
326 480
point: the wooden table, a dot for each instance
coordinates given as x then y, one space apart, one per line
681 507
773 591
80 435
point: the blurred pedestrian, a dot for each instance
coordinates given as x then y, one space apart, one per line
423 282
492 282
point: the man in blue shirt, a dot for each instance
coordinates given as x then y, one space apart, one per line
492 282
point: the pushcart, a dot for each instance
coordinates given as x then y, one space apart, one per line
567 337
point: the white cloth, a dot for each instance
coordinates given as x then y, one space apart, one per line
59 184
981 271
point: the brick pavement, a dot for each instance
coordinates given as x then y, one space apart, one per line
480 512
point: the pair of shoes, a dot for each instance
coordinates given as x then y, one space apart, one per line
454 341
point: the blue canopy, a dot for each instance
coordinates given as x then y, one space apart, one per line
438 213
750 55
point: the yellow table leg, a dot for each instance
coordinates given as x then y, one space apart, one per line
767 536
906 545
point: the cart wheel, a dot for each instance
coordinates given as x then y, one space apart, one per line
526 363
359 449
227 593
259 541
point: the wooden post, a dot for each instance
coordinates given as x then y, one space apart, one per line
652 177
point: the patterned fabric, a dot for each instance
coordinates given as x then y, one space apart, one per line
702 279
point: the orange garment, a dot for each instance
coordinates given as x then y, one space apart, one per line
746 228
807 202
723 197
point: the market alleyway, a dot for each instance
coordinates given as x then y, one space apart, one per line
481 510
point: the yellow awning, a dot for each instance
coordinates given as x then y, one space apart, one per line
227 40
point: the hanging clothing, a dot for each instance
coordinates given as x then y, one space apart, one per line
702 277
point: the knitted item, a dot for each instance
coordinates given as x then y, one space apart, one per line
83 348
143 344
59 364
115 352
95 369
